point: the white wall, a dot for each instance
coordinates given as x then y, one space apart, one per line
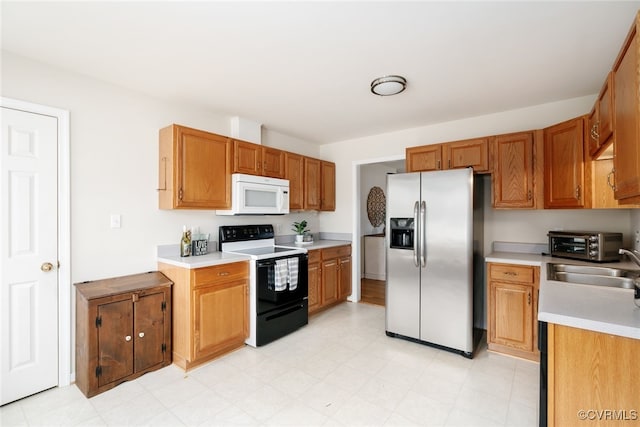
114 167
509 225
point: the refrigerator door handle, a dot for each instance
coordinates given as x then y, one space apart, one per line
423 234
416 243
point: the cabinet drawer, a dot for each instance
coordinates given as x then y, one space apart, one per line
314 256
232 271
336 252
511 273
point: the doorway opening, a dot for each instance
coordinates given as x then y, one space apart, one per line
370 177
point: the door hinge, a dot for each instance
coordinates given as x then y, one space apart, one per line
98 321
98 370
163 306
180 194
164 348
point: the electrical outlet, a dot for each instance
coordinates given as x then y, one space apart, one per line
115 220
278 228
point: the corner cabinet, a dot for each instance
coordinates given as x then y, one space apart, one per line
626 77
513 309
123 330
211 306
564 169
194 169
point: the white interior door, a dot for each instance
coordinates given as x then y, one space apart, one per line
29 254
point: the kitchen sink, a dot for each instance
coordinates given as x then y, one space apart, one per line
592 275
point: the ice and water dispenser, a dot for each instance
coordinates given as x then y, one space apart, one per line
401 233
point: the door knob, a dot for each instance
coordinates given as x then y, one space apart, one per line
46 266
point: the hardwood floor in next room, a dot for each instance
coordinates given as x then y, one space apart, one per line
372 291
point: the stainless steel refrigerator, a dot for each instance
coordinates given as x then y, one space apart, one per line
430 257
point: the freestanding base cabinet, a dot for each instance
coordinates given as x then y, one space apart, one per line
123 329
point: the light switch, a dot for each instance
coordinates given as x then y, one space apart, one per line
115 220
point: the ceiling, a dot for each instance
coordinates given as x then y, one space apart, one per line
305 68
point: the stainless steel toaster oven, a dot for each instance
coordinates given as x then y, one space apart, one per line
585 245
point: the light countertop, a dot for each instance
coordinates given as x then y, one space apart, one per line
169 254
595 308
319 244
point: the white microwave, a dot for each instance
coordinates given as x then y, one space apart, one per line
257 195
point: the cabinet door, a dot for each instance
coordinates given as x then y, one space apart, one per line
424 158
595 371
195 169
148 331
315 284
344 269
469 153
273 162
592 128
312 183
512 178
511 315
220 316
328 189
627 122
605 112
115 341
329 281
247 158
564 165
294 172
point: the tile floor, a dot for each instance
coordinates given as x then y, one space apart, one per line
341 370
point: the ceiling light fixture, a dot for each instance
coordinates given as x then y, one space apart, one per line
388 85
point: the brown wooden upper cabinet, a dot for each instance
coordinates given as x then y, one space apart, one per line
194 169
626 82
469 153
451 155
512 180
424 158
328 186
564 171
312 183
255 159
294 172
600 122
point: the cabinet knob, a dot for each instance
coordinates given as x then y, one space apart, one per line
141 334
127 338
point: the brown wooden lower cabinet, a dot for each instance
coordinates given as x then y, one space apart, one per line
329 276
513 309
123 329
211 311
593 378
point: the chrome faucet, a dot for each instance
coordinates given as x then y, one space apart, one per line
633 254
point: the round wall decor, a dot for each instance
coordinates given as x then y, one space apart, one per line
376 206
